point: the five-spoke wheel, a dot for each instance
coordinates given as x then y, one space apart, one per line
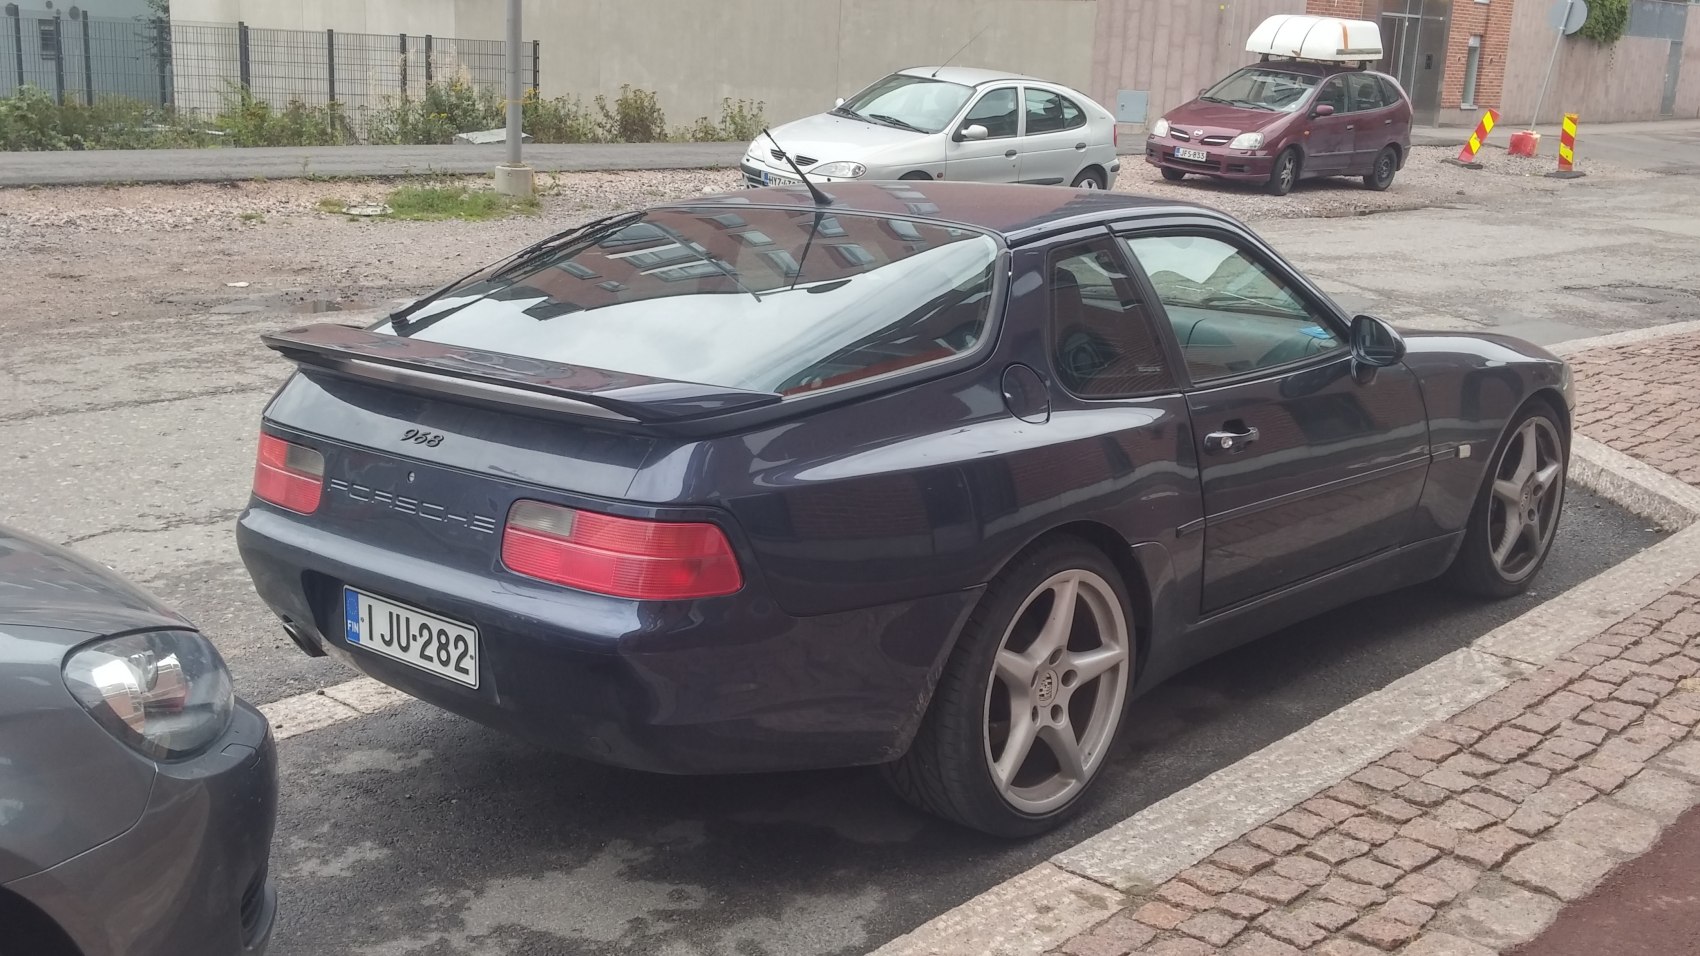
1516 514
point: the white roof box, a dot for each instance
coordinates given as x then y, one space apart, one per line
1316 38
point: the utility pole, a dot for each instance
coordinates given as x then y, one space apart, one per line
514 178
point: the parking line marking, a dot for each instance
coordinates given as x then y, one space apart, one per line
318 709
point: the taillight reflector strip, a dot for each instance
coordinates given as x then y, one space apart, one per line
289 475
622 557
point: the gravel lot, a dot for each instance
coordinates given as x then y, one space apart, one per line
143 252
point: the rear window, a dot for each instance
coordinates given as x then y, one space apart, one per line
774 300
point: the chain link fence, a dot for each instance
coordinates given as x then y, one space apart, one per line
199 68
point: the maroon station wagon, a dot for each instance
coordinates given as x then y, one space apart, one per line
1284 120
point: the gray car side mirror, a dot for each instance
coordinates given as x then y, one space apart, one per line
838 103
973 133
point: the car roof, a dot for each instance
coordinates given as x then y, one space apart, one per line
1016 212
970 76
1312 67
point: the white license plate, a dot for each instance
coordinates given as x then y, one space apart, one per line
1196 155
431 643
774 179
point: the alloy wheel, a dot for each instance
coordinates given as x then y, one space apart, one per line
1060 679
1527 491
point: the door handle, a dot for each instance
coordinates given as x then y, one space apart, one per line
1350 126
1233 442
1387 122
1079 145
1009 155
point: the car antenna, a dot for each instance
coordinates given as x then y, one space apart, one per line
821 199
958 53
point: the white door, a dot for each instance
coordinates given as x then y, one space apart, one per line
993 159
1053 148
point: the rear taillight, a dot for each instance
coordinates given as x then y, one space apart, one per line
289 475
624 557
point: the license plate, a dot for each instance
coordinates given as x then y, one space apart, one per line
431 643
774 179
1196 155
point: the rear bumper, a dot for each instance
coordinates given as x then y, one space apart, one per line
190 878
1236 164
717 686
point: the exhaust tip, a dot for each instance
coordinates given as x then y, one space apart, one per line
302 639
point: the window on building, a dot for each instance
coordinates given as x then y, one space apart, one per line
1472 68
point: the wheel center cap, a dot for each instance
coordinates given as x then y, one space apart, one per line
1045 686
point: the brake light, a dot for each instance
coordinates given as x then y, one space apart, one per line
289 475
624 557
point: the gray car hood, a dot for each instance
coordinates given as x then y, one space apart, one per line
44 585
830 138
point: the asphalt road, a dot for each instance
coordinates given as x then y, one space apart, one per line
417 832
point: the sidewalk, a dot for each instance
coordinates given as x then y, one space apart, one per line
217 164
1488 832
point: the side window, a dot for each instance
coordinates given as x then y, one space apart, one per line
1049 112
996 112
1230 313
1103 342
1332 93
1366 92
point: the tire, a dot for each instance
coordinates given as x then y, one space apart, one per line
1478 568
1285 174
1008 664
1173 175
1090 178
917 174
1386 165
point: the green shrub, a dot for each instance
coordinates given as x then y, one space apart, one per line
560 120
1607 19
636 117
741 121
31 120
445 110
249 121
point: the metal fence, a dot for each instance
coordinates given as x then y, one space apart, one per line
195 67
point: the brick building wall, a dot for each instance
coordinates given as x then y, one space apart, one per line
1350 9
1492 22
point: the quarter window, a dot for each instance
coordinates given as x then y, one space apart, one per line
1049 112
1230 313
996 112
1104 343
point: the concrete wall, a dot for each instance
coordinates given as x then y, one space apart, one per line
1172 48
796 57
1688 88
1619 83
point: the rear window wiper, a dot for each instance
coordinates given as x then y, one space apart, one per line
520 260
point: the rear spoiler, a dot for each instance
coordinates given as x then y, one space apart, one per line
508 379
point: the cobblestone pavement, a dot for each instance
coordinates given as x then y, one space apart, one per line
1471 837
1644 400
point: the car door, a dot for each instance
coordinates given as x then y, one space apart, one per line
1053 143
993 159
1305 465
1329 139
1372 120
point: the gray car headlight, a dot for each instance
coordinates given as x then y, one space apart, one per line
166 694
840 170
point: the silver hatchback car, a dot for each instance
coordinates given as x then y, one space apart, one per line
952 123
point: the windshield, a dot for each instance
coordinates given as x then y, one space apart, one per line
1263 89
773 300
909 102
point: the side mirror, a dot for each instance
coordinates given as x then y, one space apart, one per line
973 133
1323 110
837 103
1376 344
1203 90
